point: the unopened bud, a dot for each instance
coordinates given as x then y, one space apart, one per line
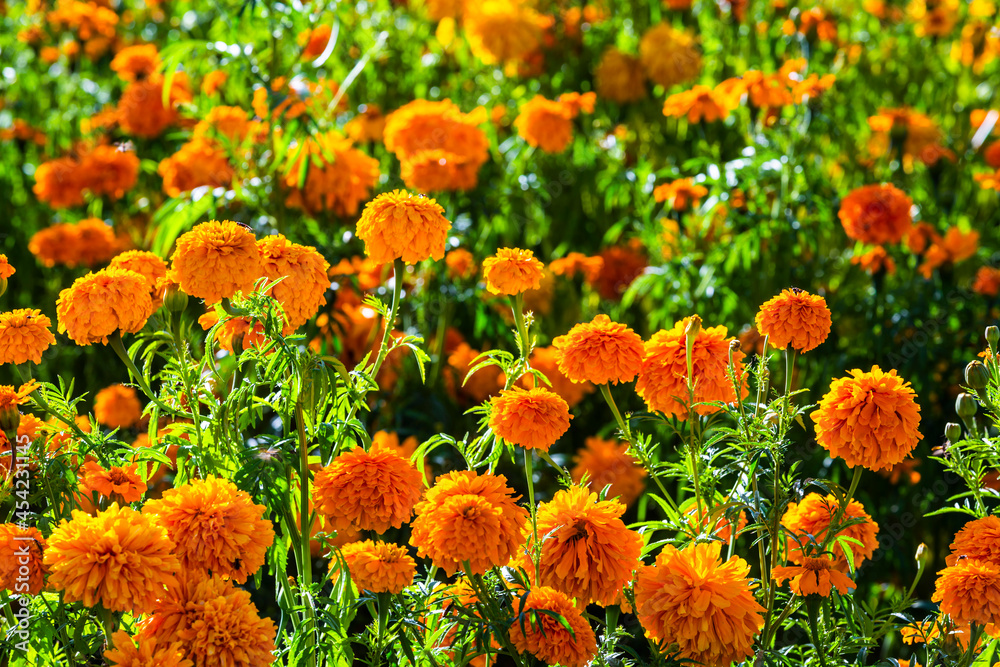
692 327
966 406
174 299
923 556
315 383
992 335
977 375
953 432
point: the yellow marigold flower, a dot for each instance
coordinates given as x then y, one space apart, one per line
533 419
338 176
969 592
198 163
795 318
119 484
144 651
512 271
876 214
302 290
379 567
501 31
471 518
600 351
669 55
703 605
619 77
21 548
24 334
400 225
119 559
369 490
663 377
608 464
136 62
215 260
99 304
979 540
815 576
869 419
548 124
812 516
6 270
587 552
117 406
545 637
216 527
681 193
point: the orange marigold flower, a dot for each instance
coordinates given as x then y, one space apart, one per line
55 245
6 270
59 183
987 281
95 242
875 260
21 548
215 526
620 77
143 651
198 163
620 266
669 55
600 351
461 264
608 464
876 214
979 540
136 62
815 576
302 290
703 605
213 81
512 271
812 516
969 592
533 419
313 42
24 334
466 517
548 124
795 317
119 559
587 552
368 125
478 386
117 406
148 265
99 304
141 111
681 193
379 567
215 260
501 31
574 263
338 176
119 484
400 225
369 490
663 377
544 635
545 360
869 419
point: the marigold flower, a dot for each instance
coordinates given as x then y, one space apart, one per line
466 517
663 377
978 539
400 225
545 637
587 552
119 559
379 567
302 290
141 111
869 419
987 281
367 126
533 419
815 576
213 81
607 463
99 304
545 360
143 651
314 41
55 244
795 318
59 183
215 527
6 270
95 242
876 214
703 605
956 246
461 264
512 271
369 490
620 266
117 406
21 547
198 163
120 484
136 62
812 516
577 263
338 176
548 124
215 260
875 260
600 351
619 77
669 55
681 193
24 334
969 592
502 30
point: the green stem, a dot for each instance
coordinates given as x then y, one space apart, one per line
116 344
107 624
522 330
536 548
305 518
835 524
37 396
812 606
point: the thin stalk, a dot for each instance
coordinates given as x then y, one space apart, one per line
536 548
835 524
116 344
812 606
522 330
107 624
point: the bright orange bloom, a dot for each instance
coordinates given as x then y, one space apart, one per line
680 193
215 260
461 264
400 225
117 406
479 386
815 576
969 592
502 31
302 290
621 265
338 176
812 516
669 56
136 62
119 484
6 270
663 377
620 77
379 567
600 351
533 419
956 246
608 464
213 81
548 124
979 540
141 111
24 334
706 607
545 637
143 651
146 264
574 263
869 419
215 527
95 242
197 163
99 304
875 260
545 360
314 41
21 548
466 517
512 271
876 214
119 559
368 125
987 281
795 318
587 552
369 490
699 103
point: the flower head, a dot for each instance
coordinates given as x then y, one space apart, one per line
148 265
545 637
669 55
869 419
608 464
512 271
338 176
136 62
215 260
6 270
811 518
681 193
815 576
969 592
979 540
379 567
24 334
196 164
548 124
876 214
795 318
21 548
533 419
302 270
99 304
144 651
120 484
600 351
400 225
699 103
502 30
619 77
117 406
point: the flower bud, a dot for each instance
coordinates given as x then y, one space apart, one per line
10 419
966 406
692 327
953 432
992 335
174 299
977 375
923 556
3 286
315 383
